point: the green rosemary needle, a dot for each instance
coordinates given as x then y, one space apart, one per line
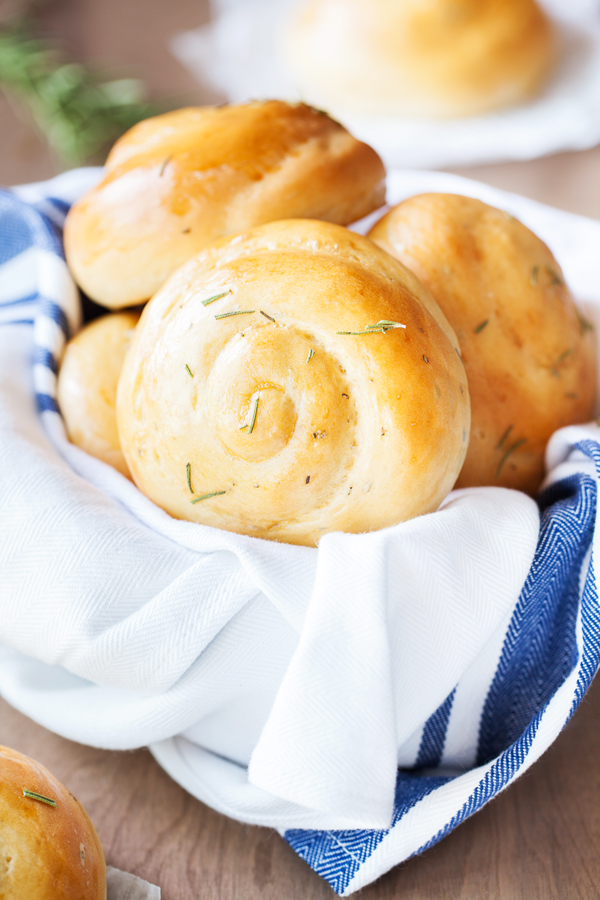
380 327
188 472
35 796
559 361
311 353
266 315
584 324
189 371
508 452
207 496
216 297
235 312
481 326
165 163
254 414
555 277
534 276
500 443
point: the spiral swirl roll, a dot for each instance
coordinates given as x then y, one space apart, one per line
291 381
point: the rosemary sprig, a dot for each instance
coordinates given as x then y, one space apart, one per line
559 361
481 326
189 371
79 112
533 278
311 353
508 452
216 297
235 312
33 795
188 472
207 496
266 315
500 443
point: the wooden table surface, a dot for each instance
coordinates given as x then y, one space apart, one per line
540 840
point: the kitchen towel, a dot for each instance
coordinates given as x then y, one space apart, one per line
363 697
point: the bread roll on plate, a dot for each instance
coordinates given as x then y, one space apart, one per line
529 353
87 386
434 58
177 182
291 381
49 849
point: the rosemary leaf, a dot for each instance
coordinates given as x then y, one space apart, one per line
380 327
266 315
554 276
508 452
165 163
32 795
533 278
188 472
207 496
500 443
216 297
236 312
189 371
254 414
481 326
311 353
559 361
583 323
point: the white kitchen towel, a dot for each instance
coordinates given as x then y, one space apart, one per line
285 685
238 53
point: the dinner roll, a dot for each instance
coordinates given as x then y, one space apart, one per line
528 352
178 182
291 381
87 386
49 849
438 58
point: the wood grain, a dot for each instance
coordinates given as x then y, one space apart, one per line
539 840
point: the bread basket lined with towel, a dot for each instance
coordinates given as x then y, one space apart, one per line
362 698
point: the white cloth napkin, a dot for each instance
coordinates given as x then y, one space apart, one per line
123 886
282 685
238 53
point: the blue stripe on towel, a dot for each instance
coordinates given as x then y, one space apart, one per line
567 522
338 855
53 311
43 357
434 735
46 403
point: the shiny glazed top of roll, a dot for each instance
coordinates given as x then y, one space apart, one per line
177 182
437 58
46 851
292 381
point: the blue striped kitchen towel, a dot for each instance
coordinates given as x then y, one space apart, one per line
503 711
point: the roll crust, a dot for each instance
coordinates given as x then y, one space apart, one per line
261 403
46 852
176 183
529 353
438 58
87 386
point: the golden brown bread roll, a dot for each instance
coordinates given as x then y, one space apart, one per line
437 58
291 381
528 352
87 386
178 182
48 851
